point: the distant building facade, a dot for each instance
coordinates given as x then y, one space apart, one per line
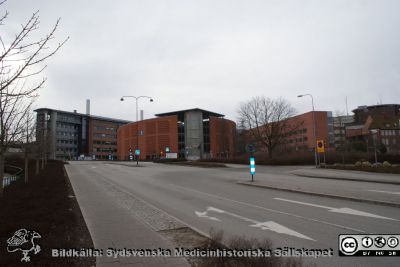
302 138
68 135
298 133
192 134
339 130
376 126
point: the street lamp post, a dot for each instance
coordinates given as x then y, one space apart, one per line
314 129
137 120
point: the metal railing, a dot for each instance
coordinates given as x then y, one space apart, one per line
7 180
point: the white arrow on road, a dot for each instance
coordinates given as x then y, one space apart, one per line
270 225
204 215
339 210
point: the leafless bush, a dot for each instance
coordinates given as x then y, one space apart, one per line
242 243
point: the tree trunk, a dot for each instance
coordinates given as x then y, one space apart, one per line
1 173
37 166
270 155
26 167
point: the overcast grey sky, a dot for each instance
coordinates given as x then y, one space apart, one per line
215 54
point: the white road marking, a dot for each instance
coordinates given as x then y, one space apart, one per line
338 210
270 225
270 210
387 192
204 215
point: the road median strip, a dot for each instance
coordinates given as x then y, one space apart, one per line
308 175
249 183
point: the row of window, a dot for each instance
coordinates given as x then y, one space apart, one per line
113 136
301 131
390 132
66 126
298 140
67 118
67 142
59 133
98 142
103 128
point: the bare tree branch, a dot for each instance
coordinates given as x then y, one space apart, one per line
266 121
21 60
26 55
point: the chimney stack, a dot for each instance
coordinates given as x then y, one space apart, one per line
141 114
87 106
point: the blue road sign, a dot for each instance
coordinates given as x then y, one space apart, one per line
137 152
252 166
250 148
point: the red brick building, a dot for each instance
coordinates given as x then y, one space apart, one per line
222 138
192 134
376 127
153 135
302 138
102 138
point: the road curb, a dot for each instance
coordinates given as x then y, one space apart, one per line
345 179
397 205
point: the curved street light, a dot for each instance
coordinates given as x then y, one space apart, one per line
137 120
314 128
137 99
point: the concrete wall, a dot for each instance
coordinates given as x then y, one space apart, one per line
194 135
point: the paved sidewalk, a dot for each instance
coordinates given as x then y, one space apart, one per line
112 226
349 175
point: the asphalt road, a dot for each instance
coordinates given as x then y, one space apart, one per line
206 198
281 177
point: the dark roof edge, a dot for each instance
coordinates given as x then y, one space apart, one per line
82 114
376 106
187 110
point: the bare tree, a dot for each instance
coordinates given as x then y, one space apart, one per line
29 146
21 63
266 121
